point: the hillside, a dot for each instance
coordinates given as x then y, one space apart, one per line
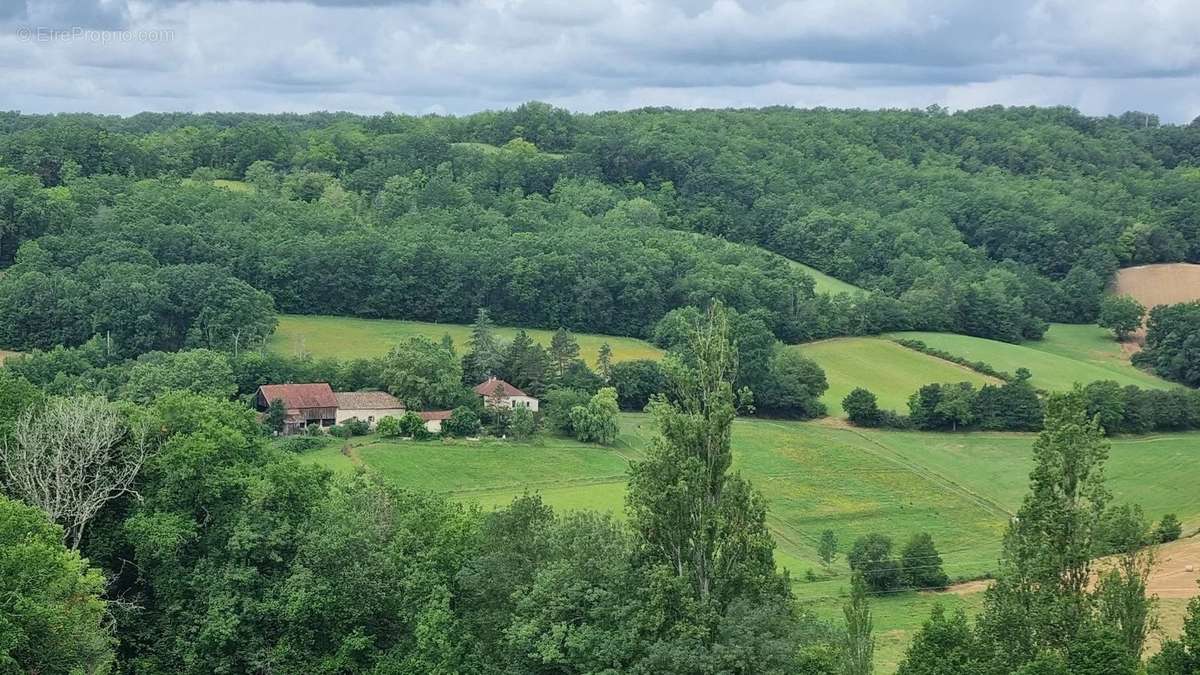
960 488
889 370
1069 354
345 337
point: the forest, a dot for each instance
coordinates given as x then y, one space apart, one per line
145 262
989 222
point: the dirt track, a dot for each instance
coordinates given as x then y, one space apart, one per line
1176 572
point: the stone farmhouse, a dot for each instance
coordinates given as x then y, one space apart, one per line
497 392
316 403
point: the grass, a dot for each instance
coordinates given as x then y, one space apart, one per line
345 337
5 354
961 488
1068 354
231 185
826 283
889 370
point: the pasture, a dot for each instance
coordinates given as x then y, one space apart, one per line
961 488
345 338
1163 284
1069 354
827 284
889 370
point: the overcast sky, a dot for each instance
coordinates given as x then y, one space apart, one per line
460 56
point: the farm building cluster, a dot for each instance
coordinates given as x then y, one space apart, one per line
317 404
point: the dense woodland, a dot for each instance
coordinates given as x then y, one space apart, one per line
143 261
988 222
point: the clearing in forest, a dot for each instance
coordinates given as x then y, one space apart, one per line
1164 284
345 338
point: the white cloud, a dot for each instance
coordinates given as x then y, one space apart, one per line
1104 56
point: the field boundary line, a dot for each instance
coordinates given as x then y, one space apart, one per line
933 476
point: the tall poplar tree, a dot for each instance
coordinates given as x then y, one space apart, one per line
707 526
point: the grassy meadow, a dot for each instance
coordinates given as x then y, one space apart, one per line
346 337
1069 353
827 284
889 370
961 488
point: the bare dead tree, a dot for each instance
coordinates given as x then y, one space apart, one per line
71 457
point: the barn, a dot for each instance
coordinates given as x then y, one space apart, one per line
305 404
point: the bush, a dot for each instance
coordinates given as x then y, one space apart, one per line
340 431
412 426
597 421
389 427
522 423
1169 528
557 405
862 408
636 382
357 427
463 423
921 564
871 556
299 444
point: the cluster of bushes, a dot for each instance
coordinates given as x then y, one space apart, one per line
1016 406
1012 406
919 566
1172 348
977 366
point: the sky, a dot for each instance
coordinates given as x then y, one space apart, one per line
461 56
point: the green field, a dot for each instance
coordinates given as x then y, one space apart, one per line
889 370
961 488
345 337
1069 354
826 283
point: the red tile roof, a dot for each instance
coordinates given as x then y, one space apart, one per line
429 415
367 400
489 388
300 396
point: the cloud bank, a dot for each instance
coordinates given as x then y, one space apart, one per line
460 56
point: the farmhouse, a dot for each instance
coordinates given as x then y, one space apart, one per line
496 392
367 406
317 403
305 404
433 420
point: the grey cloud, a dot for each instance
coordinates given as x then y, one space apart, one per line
465 55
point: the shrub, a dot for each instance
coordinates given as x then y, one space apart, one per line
871 556
389 427
862 408
340 431
463 422
522 423
921 564
412 426
1169 528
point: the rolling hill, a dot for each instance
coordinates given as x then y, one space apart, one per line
891 371
1069 354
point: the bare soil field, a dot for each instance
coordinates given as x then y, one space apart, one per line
1165 284
1152 285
